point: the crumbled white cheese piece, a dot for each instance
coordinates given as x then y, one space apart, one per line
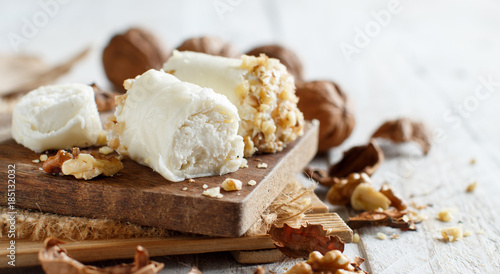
44 157
205 186
36 161
192 180
185 188
105 150
252 182
231 184
213 192
262 165
381 236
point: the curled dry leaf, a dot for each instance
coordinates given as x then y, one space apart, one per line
23 73
391 218
210 45
326 102
105 100
299 242
194 270
396 202
320 176
405 130
358 159
286 56
55 259
333 262
130 54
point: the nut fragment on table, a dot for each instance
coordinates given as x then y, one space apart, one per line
341 191
262 165
252 182
365 197
471 187
286 56
130 54
230 184
445 215
210 45
332 262
326 102
451 234
82 165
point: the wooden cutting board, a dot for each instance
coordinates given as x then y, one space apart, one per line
138 195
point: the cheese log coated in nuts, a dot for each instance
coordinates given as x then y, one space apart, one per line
57 117
178 129
261 89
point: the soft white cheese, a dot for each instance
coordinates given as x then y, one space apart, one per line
57 117
178 129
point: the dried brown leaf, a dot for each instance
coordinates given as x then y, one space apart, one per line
405 130
320 176
22 73
54 260
396 202
299 242
391 218
105 100
360 159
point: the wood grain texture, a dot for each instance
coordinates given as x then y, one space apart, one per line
94 250
138 195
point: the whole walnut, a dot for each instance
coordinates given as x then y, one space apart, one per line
210 45
130 54
325 101
286 56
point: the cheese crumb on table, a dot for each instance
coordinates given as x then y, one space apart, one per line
43 157
192 180
185 188
252 182
231 184
205 186
36 161
381 236
451 234
213 192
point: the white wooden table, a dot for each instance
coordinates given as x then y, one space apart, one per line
431 60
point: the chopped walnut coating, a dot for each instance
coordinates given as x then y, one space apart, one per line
82 165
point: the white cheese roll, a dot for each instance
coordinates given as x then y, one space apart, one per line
178 129
261 89
57 117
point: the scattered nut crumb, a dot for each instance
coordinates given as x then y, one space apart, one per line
394 236
445 215
480 232
205 186
192 180
239 194
405 218
36 161
258 159
231 184
105 150
262 165
355 238
451 234
185 188
471 187
40 168
43 157
252 182
419 207
467 233
472 161
213 192
381 236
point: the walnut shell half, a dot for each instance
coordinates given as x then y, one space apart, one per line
130 54
325 101
210 45
286 56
